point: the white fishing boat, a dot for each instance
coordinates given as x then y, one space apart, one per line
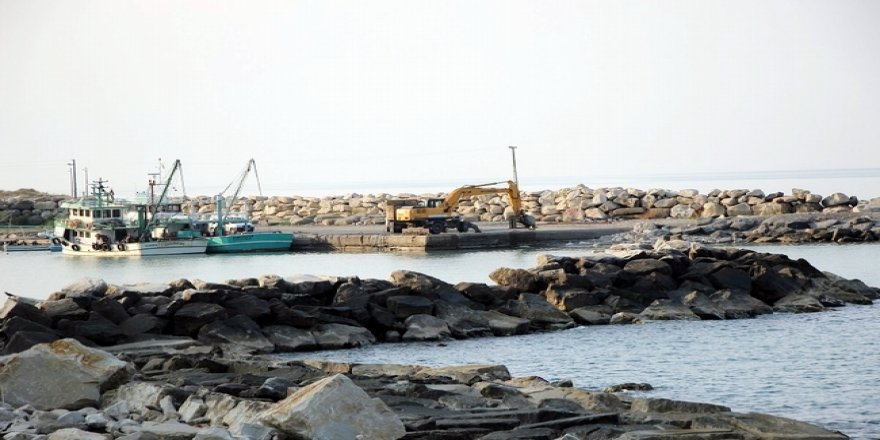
100 226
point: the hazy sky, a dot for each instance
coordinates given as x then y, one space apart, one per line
331 93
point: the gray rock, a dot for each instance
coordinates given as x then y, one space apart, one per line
739 209
85 286
408 305
755 425
192 408
75 434
239 334
287 338
333 336
213 433
667 310
590 316
334 408
505 325
170 430
518 279
426 328
798 303
192 316
142 323
537 310
462 321
61 374
134 398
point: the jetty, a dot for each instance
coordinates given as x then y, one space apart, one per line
493 236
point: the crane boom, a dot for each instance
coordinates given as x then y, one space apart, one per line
251 165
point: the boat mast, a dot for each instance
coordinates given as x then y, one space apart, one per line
158 203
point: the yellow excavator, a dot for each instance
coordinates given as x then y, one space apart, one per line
438 215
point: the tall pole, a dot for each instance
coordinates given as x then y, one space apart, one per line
513 153
72 165
86 190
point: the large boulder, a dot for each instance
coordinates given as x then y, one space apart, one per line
518 279
403 306
61 374
334 409
192 316
239 334
426 328
287 338
333 336
667 310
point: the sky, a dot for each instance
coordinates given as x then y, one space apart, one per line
345 96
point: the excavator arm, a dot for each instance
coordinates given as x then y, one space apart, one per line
451 201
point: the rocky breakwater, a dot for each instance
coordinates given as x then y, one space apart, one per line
786 229
28 207
189 358
675 280
575 204
65 390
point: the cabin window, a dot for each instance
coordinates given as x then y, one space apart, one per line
97 214
106 213
88 234
87 213
116 213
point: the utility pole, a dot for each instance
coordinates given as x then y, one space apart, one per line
86 190
513 153
72 165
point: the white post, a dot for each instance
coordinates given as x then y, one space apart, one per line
513 153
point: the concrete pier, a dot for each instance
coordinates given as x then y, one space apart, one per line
494 236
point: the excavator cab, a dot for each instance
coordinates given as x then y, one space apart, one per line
434 203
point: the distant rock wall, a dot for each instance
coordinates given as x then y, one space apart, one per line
29 210
576 204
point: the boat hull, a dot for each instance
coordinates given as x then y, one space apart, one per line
146 249
250 242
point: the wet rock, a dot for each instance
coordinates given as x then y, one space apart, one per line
505 325
590 316
798 303
764 426
462 321
537 310
287 338
426 328
667 310
333 336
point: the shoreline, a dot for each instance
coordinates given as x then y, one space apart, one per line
218 321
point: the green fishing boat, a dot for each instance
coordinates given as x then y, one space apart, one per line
230 232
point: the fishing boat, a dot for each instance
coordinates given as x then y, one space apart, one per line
97 225
230 232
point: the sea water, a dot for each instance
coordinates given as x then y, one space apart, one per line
823 368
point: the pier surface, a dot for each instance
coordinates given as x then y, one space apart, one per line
493 235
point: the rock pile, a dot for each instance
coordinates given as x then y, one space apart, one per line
193 393
786 229
273 314
577 204
29 209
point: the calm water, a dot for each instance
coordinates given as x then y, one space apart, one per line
823 368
